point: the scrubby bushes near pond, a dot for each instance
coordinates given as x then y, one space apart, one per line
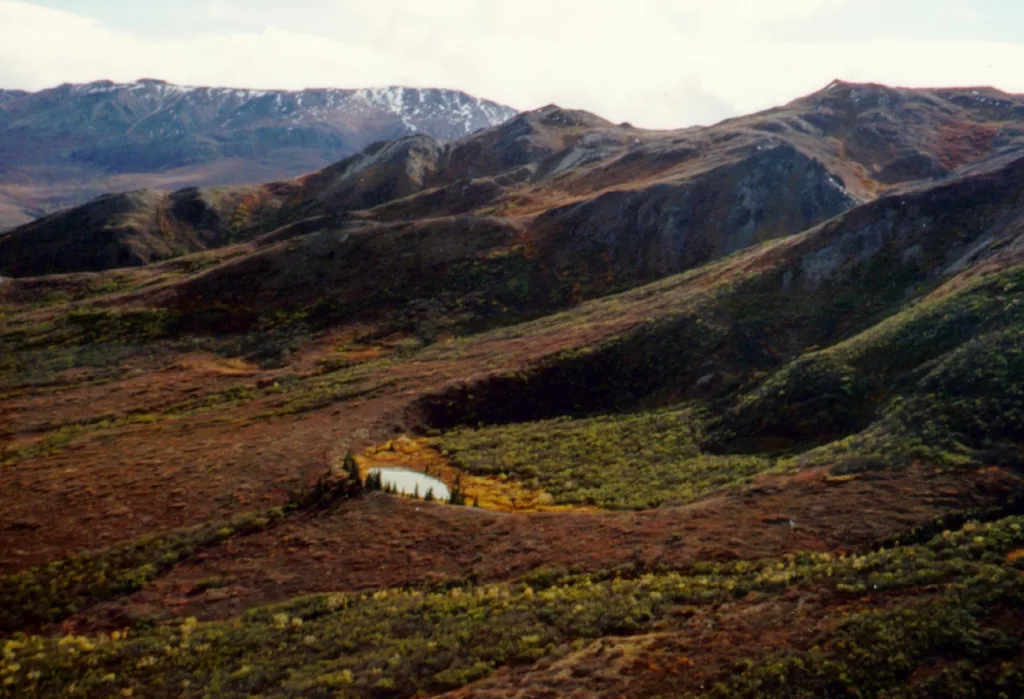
631 461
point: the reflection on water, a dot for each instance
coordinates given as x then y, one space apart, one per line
408 482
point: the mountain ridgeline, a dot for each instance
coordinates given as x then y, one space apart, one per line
599 207
64 145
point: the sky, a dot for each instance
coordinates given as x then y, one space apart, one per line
654 63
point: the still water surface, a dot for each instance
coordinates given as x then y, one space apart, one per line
406 481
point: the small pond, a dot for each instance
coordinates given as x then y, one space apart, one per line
406 481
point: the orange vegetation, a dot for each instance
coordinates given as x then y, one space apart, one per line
497 494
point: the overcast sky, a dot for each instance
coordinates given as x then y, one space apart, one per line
656 63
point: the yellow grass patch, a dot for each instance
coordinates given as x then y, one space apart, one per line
366 354
496 494
219 366
842 479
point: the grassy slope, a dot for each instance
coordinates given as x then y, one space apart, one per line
935 381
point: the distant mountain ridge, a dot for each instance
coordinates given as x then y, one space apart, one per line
11 94
604 205
64 145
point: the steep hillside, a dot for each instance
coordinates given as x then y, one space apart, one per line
61 146
722 412
887 135
647 203
137 228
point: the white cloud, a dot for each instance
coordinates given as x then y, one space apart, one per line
660 63
217 9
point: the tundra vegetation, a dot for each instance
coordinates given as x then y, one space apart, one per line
759 440
408 641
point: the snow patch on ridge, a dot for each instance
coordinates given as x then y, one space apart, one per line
446 114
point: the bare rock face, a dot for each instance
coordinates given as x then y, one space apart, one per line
629 236
381 173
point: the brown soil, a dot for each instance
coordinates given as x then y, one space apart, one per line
696 648
383 541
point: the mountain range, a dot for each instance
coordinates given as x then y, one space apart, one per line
725 411
64 145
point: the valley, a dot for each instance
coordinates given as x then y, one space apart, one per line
735 411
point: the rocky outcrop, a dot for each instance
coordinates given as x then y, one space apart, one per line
626 237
